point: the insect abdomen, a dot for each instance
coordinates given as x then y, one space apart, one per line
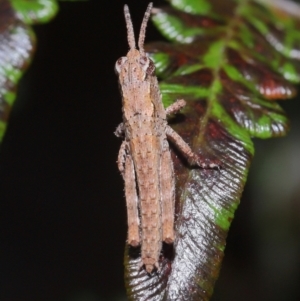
145 150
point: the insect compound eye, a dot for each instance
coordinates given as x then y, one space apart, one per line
147 65
119 63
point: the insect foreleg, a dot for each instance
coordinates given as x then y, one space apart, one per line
122 158
176 106
119 132
185 149
126 167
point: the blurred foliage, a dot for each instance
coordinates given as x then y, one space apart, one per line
18 45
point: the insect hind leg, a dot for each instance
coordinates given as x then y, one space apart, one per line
126 167
167 184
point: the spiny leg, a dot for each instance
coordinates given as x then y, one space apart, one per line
167 183
122 157
185 149
176 106
126 167
119 132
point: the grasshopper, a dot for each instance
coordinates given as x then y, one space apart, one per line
144 158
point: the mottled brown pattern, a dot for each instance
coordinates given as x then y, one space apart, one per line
144 157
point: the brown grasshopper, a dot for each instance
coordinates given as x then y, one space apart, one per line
144 158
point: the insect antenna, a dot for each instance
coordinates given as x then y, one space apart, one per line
130 32
143 29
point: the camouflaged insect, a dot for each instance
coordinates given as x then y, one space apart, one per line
144 158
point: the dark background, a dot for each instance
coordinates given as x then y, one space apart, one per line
62 210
